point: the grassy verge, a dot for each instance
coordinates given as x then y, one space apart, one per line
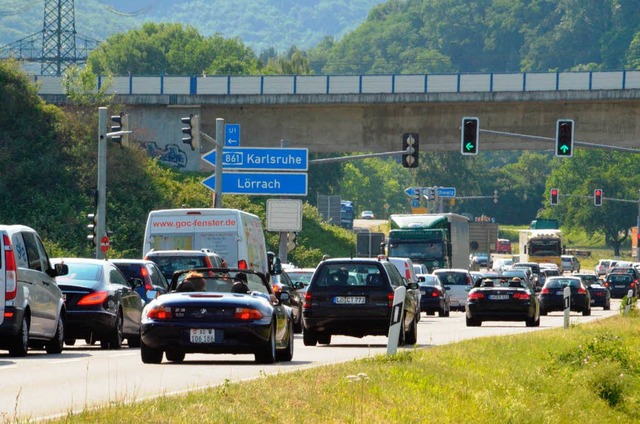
588 374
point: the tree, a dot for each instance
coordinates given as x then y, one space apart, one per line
577 178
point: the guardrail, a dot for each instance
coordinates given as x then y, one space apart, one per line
358 84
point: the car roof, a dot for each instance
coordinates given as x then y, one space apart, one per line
450 270
131 261
180 252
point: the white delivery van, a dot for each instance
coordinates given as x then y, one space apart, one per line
235 235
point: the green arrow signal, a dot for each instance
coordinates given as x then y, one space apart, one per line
564 148
468 146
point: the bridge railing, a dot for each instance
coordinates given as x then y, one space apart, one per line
360 84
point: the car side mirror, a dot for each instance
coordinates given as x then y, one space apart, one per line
298 285
152 294
413 286
61 269
283 296
136 282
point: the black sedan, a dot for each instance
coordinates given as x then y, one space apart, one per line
502 299
221 311
600 295
433 296
552 295
101 303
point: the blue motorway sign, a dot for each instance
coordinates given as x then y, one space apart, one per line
261 183
261 159
446 192
232 135
412 191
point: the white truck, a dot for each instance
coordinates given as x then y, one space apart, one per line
233 234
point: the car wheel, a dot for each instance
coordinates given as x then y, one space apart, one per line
19 343
530 322
267 353
586 312
473 322
287 354
411 337
403 332
56 344
297 326
324 338
113 340
150 355
70 342
175 355
607 307
91 340
309 337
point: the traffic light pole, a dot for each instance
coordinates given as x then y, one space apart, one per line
101 212
219 152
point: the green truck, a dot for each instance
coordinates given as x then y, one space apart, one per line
435 240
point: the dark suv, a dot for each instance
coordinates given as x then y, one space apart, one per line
621 280
354 297
171 261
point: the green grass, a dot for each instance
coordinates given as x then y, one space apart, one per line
587 374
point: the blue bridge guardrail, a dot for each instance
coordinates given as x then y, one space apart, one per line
357 84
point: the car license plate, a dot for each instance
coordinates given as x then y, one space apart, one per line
349 300
499 297
620 287
202 335
560 293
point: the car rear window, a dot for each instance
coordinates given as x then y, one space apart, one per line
348 274
454 278
130 270
84 275
619 278
560 283
169 264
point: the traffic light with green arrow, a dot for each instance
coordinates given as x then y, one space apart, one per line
564 138
470 137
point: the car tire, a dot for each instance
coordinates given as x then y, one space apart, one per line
411 336
324 338
267 353
175 355
309 337
56 344
19 344
70 342
531 322
150 355
91 340
114 340
286 355
473 322
586 312
607 307
297 326
401 337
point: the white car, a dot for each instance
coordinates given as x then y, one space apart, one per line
367 215
458 282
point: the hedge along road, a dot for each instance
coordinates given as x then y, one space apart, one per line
84 376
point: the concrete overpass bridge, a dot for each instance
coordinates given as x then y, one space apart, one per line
369 113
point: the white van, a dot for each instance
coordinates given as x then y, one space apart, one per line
235 235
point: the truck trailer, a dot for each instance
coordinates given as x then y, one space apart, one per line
435 240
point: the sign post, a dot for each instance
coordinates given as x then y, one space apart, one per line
567 306
395 325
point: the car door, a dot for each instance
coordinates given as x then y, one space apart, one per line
129 298
44 295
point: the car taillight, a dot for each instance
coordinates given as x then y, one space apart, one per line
276 288
160 312
581 290
246 314
11 277
94 298
436 293
390 297
635 282
242 264
476 295
521 296
207 262
544 291
145 277
307 300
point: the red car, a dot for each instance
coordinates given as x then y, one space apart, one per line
503 246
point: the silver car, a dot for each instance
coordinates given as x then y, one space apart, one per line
457 282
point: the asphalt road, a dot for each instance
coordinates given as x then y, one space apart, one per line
83 376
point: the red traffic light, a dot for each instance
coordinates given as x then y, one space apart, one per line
554 196
597 197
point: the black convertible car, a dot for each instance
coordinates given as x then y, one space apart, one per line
502 299
217 310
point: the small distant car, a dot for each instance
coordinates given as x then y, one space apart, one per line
147 271
570 263
619 284
367 215
283 281
552 295
503 246
458 282
502 299
218 319
101 303
434 297
600 295
602 267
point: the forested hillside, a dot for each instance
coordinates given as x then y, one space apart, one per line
260 24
